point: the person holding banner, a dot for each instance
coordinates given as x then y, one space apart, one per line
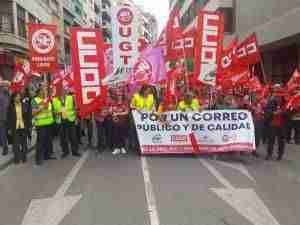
142 101
119 111
189 103
167 104
42 111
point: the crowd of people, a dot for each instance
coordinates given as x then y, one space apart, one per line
56 117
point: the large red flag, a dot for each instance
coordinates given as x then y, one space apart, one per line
209 45
247 52
174 33
20 79
294 82
43 47
89 69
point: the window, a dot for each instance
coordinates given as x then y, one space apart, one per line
21 21
31 18
6 23
229 21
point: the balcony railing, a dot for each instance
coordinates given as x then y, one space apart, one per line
6 23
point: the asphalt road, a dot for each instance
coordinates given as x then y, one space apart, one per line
168 190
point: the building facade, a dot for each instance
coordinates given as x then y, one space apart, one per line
273 21
14 15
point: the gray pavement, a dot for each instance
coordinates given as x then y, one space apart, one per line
112 191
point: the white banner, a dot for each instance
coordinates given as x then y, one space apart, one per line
125 35
199 132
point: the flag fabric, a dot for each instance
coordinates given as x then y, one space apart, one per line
20 79
149 68
228 55
208 46
87 49
293 103
43 47
247 52
294 82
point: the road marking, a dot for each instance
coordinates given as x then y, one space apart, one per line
245 201
152 208
51 211
217 174
239 167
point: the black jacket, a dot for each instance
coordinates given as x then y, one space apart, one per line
12 117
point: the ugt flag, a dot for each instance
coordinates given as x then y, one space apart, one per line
149 68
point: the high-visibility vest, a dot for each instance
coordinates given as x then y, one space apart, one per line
57 107
45 117
69 109
141 103
184 107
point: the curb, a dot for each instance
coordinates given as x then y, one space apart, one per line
9 161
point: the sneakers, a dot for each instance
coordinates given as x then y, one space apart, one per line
116 151
123 151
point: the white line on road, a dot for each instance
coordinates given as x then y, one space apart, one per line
51 211
71 176
216 173
245 201
152 208
239 167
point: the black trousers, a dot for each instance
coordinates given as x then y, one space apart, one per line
3 136
293 125
68 137
89 126
259 129
120 131
276 133
102 136
44 146
108 124
20 145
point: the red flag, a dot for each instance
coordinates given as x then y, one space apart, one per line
227 58
174 33
247 52
254 84
294 82
20 80
209 45
89 69
43 47
293 103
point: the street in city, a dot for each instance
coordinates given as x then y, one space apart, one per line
161 190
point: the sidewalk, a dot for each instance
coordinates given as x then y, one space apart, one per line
8 159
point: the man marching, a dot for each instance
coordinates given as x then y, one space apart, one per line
64 108
43 121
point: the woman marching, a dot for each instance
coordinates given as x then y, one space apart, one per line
19 123
119 111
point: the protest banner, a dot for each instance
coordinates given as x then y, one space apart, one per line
43 47
213 132
87 48
125 35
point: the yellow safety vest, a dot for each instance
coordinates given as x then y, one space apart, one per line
67 110
141 103
184 107
69 113
57 106
45 117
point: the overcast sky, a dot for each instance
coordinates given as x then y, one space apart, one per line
159 8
